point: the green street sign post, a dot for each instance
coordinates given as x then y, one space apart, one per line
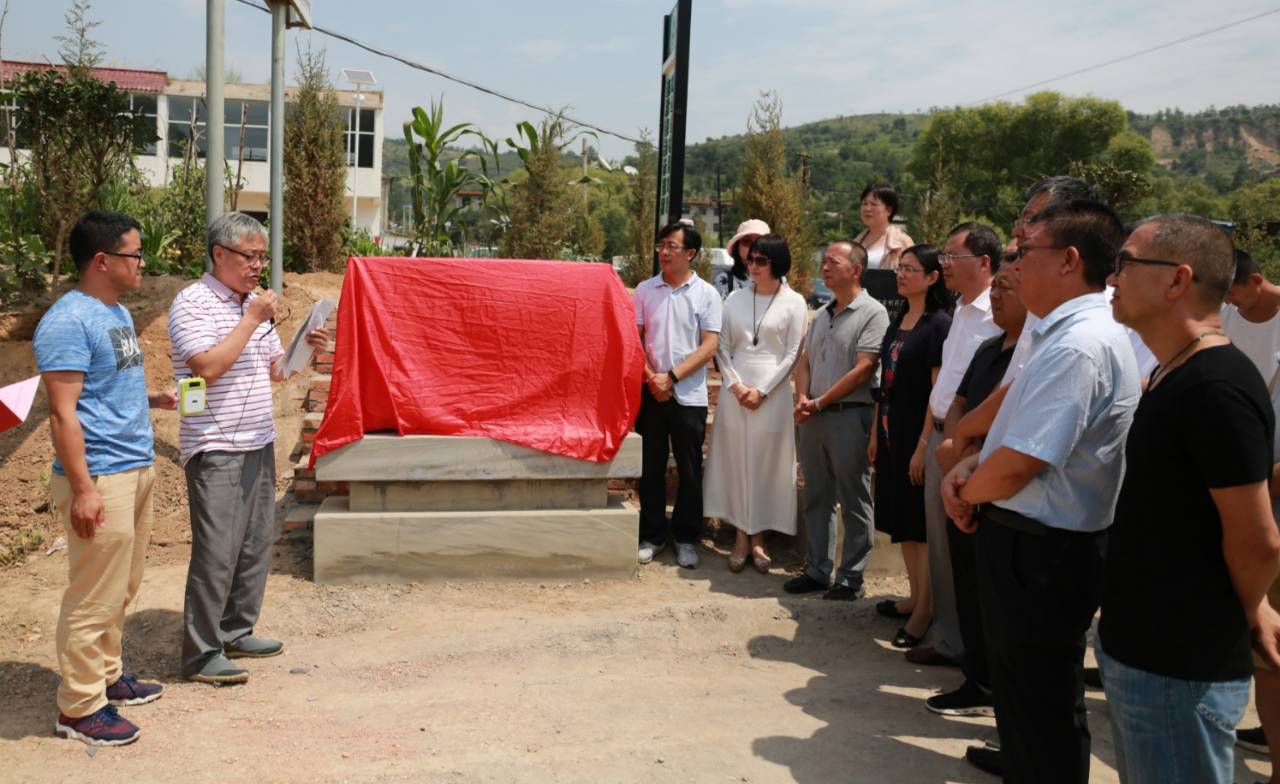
674 99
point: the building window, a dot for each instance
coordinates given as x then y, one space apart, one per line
359 145
181 111
256 116
145 106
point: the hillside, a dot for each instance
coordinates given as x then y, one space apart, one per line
1227 148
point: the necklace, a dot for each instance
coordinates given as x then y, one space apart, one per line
1163 370
755 331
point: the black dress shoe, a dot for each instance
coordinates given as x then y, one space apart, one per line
803 584
985 759
843 593
905 639
889 609
928 656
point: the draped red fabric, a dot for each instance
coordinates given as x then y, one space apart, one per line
544 354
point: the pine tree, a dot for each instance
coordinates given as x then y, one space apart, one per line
774 194
315 170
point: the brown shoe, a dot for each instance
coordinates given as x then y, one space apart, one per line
928 656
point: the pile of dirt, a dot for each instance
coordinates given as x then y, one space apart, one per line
27 522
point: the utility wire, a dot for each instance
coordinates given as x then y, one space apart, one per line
466 83
1122 59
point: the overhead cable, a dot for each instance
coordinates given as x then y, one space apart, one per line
459 80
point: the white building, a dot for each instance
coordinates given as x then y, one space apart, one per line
171 102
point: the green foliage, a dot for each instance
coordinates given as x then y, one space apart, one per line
80 133
1256 213
774 194
994 151
315 170
641 206
542 209
358 242
436 178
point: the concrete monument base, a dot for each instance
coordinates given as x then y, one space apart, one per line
428 508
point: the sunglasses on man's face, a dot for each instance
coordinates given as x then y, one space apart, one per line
758 260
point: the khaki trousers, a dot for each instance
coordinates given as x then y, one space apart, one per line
104 573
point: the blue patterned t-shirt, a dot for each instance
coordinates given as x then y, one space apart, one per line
80 332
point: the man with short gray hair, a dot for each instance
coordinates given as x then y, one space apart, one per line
838 367
222 330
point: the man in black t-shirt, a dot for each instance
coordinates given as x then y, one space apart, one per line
1193 547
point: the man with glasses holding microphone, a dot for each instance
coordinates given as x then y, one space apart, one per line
222 331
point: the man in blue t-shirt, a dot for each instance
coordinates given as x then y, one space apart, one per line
88 354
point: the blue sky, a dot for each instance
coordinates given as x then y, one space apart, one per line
823 57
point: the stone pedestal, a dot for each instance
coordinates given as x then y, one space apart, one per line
454 508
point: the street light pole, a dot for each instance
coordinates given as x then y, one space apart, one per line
355 169
276 156
214 74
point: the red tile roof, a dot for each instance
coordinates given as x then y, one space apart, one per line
125 78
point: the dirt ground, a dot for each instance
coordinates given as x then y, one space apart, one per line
672 676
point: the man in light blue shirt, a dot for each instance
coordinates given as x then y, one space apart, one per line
678 315
102 485
1046 483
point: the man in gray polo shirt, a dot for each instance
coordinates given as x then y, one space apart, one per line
838 368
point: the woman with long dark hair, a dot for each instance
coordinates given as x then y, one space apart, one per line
909 359
751 467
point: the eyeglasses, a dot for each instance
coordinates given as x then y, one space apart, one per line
908 270
1023 250
759 260
669 247
1124 258
950 258
259 258
137 257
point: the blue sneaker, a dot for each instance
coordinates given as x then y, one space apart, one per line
131 691
104 728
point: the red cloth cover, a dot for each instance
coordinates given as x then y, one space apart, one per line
544 354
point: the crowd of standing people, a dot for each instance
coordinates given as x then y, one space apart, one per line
1080 420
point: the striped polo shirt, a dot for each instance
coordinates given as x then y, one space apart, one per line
238 414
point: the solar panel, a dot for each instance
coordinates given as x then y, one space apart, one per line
358 76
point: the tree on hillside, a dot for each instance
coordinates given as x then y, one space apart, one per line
80 132
771 192
315 169
542 206
992 152
1256 212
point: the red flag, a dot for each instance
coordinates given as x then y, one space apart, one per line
544 354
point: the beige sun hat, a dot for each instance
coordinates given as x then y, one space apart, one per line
753 226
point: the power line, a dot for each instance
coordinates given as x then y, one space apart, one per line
466 83
1122 59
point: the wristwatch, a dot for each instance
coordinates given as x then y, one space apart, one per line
674 378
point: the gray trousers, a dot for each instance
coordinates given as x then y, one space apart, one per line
946 619
832 448
232 497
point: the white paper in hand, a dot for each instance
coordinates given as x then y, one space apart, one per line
300 351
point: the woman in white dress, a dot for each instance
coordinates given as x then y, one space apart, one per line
751 469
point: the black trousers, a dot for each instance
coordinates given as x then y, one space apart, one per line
964 576
1038 590
669 428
